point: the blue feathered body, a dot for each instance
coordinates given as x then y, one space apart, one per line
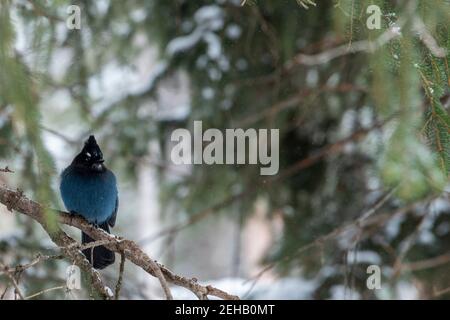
93 196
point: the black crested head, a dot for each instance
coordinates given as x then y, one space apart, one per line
90 158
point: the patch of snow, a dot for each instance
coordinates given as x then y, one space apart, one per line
340 292
393 226
207 93
233 31
440 205
333 80
184 43
202 61
214 74
407 291
369 257
138 15
210 17
224 63
312 77
426 237
214 45
102 6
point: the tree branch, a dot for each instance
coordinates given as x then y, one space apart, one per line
15 200
6 170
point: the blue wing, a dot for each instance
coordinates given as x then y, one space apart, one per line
92 196
112 220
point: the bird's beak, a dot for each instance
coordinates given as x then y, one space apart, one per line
98 165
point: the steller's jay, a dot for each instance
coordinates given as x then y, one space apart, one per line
89 189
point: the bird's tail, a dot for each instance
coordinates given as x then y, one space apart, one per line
101 256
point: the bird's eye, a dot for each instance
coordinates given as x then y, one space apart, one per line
88 155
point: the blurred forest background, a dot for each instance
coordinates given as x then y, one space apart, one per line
364 140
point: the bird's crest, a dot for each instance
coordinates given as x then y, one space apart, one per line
91 152
91 142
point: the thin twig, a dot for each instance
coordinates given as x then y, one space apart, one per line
119 280
60 135
44 291
162 280
13 281
22 267
4 292
427 263
38 10
6 170
441 292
